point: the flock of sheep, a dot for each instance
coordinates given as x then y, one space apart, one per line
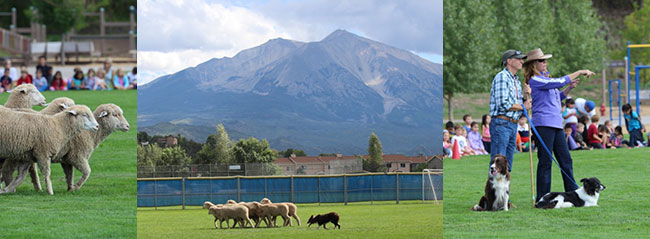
62 133
244 212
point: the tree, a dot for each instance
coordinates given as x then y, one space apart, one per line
287 153
637 32
217 148
191 147
149 155
374 162
60 15
174 156
470 48
143 137
252 150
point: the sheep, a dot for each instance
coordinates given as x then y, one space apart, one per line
57 105
271 211
255 214
35 137
225 212
293 210
78 151
25 96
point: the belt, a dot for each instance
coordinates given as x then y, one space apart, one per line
503 117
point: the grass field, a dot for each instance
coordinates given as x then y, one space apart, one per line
104 207
409 219
622 212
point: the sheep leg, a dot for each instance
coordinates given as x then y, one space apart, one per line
294 215
33 174
249 221
44 164
22 174
85 170
69 174
215 223
8 168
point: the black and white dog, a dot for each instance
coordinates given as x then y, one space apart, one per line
497 188
585 196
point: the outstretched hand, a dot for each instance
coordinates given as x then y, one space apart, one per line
588 73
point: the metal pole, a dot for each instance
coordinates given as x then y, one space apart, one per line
211 189
604 82
423 185
155 194
345 189
397 188
611 115
266 188
131 28
619 103
318 190
627 72
293 200
371 189
183 190
102 30
636 85
238 189
13 19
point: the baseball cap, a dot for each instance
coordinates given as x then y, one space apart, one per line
511 54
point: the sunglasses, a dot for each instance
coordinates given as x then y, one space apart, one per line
541 60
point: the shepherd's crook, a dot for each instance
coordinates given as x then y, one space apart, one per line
530 152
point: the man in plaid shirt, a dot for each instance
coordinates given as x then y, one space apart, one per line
506 100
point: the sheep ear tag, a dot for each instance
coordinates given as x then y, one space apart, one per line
72 112
63 106
102 114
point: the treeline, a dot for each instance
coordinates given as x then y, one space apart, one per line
219 149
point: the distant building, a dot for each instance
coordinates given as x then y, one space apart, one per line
168 141
315 165
401 163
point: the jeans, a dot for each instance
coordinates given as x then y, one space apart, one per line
555 141
503 135
636 136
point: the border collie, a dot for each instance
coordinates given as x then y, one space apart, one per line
585 196
497 188
324 219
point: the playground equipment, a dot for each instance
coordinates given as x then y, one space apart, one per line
618 100
637 68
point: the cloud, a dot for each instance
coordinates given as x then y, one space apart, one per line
173 35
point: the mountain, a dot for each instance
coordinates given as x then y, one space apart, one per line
322 97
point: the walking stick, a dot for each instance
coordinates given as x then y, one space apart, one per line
530 154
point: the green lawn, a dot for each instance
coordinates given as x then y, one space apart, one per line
104 207
622 212
409 219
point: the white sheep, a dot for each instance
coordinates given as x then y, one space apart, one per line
293 210
271 211
25 96
225 212
255 213
35 137
78 150
57 105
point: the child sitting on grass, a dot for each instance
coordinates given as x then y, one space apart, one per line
579 139
446 143
603 133
474 139
634 126
463 146
594 139
619 141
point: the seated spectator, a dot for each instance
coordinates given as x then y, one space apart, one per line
57 82
45 69
579 140
619 141
605 137
524 134
569 140
474 139
585 122
570 115
133 78
446 143
13 74
120 82
77 80
449 126
90 80
6 81
25 78
468 123
459 138
40 81
485 125
594 139
101 82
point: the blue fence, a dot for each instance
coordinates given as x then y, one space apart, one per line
298 189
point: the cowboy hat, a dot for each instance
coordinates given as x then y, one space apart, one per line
536 54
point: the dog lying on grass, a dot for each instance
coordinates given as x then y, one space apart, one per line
332 217
585 196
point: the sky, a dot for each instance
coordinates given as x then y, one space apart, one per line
174 35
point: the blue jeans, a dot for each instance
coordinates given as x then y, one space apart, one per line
636 135
555 141
503 134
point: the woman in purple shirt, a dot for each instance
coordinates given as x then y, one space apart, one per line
547 118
